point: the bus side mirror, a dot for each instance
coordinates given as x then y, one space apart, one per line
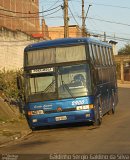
19 82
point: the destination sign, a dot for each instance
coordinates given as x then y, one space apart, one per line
43 70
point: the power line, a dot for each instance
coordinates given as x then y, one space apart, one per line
30 12
108 32
73 16
53 12
106 5
53 4
4 15
108 21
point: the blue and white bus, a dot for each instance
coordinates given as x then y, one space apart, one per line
69 80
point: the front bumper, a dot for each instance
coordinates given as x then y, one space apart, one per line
71 117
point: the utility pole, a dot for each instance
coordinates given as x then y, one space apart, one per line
105 37
66 19
84 31
83 20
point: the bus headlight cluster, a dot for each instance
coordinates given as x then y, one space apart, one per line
37 112
84 107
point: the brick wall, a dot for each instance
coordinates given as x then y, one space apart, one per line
12 44
45 32
28 25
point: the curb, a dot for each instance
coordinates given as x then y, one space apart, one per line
123 85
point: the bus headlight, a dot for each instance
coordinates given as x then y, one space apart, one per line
40 112
37 112
84 107
79 108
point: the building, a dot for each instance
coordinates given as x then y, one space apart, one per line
114 47
44 34
20 15
58 31
123 67
12 44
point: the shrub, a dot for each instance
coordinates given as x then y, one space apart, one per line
8 84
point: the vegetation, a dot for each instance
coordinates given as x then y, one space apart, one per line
125 50
8 85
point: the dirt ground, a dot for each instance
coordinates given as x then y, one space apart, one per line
13 130
13 124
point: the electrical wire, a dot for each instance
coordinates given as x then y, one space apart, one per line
4 15
53 4
73 16
48 10
108 21
106 5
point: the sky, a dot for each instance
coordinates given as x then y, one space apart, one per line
110 16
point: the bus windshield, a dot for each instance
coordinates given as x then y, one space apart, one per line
74 81
42 83
65 82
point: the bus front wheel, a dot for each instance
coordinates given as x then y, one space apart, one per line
98 117
112 111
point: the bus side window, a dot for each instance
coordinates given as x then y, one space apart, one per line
94 48
105 56
99 55
108 55
102 54
91 53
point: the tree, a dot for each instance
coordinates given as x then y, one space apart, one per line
125 50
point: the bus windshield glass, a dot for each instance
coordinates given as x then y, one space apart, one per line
74 81
60 82
44 83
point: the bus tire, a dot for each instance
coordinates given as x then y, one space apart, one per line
98 117
112 111
33 128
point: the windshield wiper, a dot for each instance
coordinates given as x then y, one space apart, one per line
67 88
49 86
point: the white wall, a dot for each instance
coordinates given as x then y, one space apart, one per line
12 44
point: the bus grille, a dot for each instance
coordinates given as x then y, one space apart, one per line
64 110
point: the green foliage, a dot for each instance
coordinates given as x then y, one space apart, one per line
125 50
8 84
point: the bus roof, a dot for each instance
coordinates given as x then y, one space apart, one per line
63 42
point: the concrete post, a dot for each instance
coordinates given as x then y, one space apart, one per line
122 71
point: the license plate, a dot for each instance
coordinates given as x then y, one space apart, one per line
62 118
